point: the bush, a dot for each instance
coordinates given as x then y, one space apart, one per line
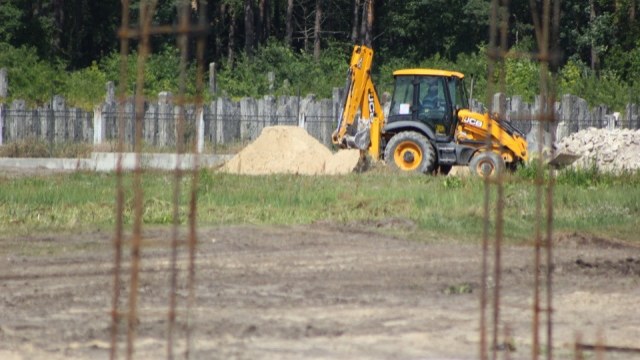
85 88
605 88
30 78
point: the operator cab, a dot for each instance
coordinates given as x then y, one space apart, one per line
431 97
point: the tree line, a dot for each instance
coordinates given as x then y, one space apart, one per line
308 41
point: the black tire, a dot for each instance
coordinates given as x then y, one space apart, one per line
410 151
487 164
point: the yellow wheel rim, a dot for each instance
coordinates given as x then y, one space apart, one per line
407 156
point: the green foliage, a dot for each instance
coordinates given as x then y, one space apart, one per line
531 171
605 88
10 23
570 76
85 88
452 182
161 72
294 72
30 78
582 177
522 78
474 66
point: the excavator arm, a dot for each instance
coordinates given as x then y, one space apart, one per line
361 110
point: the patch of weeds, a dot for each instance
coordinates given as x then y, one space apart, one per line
586 177
452 182
532 170
38 148
458 289
27 148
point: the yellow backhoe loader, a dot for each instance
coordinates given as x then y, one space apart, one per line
429 127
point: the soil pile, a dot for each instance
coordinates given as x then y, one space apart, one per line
609 150
290 150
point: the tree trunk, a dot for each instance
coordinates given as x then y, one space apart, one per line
249 29
232 37
264 22
58 13
363 22
305 30
594 53
260 37
316 30
356 21
289 35
368 36
218 25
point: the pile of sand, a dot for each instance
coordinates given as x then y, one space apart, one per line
290 150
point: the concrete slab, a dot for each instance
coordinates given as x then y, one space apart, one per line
108 162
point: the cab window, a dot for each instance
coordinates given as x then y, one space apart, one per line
402 96
458 93
431 93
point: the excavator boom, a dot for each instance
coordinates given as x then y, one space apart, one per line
361 120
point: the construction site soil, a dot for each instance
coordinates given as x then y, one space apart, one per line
321 291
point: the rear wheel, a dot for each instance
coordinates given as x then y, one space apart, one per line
410 151
487 164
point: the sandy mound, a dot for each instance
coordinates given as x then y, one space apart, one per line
290 150
342 162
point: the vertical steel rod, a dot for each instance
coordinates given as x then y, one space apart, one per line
183 27
193 201
147 9
117 240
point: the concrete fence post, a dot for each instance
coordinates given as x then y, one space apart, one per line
99 126
1 123
336 101
499 105
200 129
213 86
302 120
4 83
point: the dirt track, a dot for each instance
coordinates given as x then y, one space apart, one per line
307 292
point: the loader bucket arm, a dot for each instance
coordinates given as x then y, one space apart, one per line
482 127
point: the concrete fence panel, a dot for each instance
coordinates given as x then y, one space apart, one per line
226 121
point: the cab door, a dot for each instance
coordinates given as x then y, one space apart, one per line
434 105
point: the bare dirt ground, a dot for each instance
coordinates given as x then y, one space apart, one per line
308 292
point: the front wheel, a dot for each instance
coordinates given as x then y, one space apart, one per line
410 151
487 164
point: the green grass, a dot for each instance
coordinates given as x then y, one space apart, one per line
441 207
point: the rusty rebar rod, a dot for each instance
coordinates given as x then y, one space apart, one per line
117 240
193 201
147 10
